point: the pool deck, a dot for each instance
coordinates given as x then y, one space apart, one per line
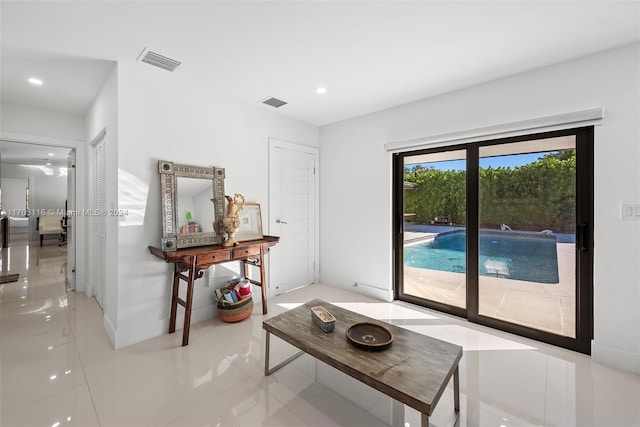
415 237
548 307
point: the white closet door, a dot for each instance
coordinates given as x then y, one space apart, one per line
292 201
100 205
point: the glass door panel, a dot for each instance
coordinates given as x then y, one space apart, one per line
527 234
434 225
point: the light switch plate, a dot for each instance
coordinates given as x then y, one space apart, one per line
630 211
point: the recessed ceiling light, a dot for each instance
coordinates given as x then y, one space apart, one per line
50 154
48 163
35 81
321 91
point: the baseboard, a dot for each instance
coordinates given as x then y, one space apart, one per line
615 358
142 332
88 291
369 290
197 315
110 330
133 334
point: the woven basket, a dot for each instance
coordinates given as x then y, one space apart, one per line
237 311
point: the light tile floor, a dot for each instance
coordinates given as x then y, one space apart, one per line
57 368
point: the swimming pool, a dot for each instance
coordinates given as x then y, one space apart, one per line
531 259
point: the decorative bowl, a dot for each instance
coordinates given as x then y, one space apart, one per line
369 336
321 317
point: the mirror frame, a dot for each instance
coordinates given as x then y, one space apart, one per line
169 172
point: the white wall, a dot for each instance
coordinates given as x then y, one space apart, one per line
14 200
356 207
38 122
50 191
47 191
48 188
179 117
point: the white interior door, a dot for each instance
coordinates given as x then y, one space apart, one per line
71 219
100 205
292 215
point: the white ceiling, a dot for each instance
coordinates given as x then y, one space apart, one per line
370 56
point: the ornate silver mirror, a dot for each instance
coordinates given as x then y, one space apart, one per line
192 205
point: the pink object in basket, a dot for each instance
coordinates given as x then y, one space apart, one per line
245 287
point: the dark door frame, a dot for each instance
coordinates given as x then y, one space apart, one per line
584 239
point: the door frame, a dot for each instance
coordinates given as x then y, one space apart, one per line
80 192
584 238
71 220
292 146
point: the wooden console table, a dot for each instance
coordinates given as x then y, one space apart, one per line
195 260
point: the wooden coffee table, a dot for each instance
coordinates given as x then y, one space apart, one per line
415 370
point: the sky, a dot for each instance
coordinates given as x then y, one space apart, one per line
495 162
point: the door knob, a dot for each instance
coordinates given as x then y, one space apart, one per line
280 222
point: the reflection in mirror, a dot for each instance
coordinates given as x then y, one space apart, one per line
192 201
195 211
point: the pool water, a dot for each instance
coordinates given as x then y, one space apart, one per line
521 258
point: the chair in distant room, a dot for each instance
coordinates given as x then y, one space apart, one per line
50 224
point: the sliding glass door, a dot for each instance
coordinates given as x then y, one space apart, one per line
434 220
527 233
499 232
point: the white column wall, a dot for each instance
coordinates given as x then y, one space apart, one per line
180 117
355 206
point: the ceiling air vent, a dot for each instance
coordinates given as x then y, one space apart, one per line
274 102
158 60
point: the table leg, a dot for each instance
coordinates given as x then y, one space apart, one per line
456 400
245 268
397 413
268 371
263 282
174 299
266 355
263 277
456 390
187 307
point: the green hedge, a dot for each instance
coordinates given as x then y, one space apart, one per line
536 196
